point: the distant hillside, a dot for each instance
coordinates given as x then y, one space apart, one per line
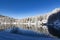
6 19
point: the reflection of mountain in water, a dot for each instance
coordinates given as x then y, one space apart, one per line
31 23
36 24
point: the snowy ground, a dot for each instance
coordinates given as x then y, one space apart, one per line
24 35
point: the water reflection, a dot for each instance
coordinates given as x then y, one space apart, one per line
41 29
5 26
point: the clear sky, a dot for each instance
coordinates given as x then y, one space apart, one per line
24 8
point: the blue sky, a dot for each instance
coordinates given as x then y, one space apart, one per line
24 8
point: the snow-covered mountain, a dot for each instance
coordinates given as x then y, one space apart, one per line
48 24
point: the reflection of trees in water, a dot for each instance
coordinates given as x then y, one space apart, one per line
27 20
32 27
6 26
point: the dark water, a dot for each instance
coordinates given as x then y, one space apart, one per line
26 30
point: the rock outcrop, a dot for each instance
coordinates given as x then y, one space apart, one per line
54 20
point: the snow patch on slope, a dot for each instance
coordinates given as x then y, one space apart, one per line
56 10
